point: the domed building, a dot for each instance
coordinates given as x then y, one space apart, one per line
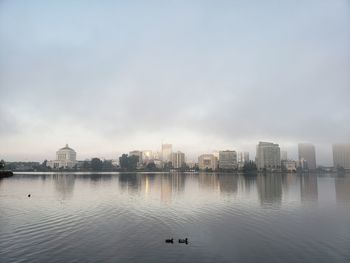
66 157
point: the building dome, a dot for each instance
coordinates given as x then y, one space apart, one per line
66 157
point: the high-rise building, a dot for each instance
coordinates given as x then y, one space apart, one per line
242 158
268 156
307 153
177 159
166 152
207 161
284 155
341 155
227 160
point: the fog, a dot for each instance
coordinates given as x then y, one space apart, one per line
108 77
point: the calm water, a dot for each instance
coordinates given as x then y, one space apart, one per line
127 217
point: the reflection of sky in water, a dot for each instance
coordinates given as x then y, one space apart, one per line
127 216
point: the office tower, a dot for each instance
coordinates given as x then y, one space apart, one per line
341 155
307 153
177 159
268 156
166 152
284 156
207 161
227 160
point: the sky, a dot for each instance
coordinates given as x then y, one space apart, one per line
108 77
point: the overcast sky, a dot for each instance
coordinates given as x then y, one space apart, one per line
112 76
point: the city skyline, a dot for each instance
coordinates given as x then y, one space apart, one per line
112 77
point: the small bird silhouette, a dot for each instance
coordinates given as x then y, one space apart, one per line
29 195
169 240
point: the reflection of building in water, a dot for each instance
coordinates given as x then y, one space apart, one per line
65 158
129 181
171 184
207 161
341 155
228 183
269 188
308 187
342 189
64 184
210 181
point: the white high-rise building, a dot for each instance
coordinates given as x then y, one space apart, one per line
307 153
65 158
341 155
167 149
227 160
268 156
177 159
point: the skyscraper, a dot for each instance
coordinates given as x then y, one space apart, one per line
268 156
341 155
177 159
166 152
307 153
227 160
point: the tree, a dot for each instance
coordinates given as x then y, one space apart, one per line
151 166
249 167
128 163
96 164
107 165
2 164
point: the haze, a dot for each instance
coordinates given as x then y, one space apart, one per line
111 76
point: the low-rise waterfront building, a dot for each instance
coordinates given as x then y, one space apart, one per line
289 165
66 157
207 162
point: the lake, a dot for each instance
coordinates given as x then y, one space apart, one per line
114 217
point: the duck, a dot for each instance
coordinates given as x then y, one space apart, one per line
169 240
183 240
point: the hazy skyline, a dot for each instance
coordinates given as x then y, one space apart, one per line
108 77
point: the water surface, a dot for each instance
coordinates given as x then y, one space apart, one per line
127 217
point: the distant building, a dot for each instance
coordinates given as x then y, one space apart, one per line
341 155
207 161
177 159
306 152
227 160
284 155
268 156
147 155
166 152
289 165
242 158
65 158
